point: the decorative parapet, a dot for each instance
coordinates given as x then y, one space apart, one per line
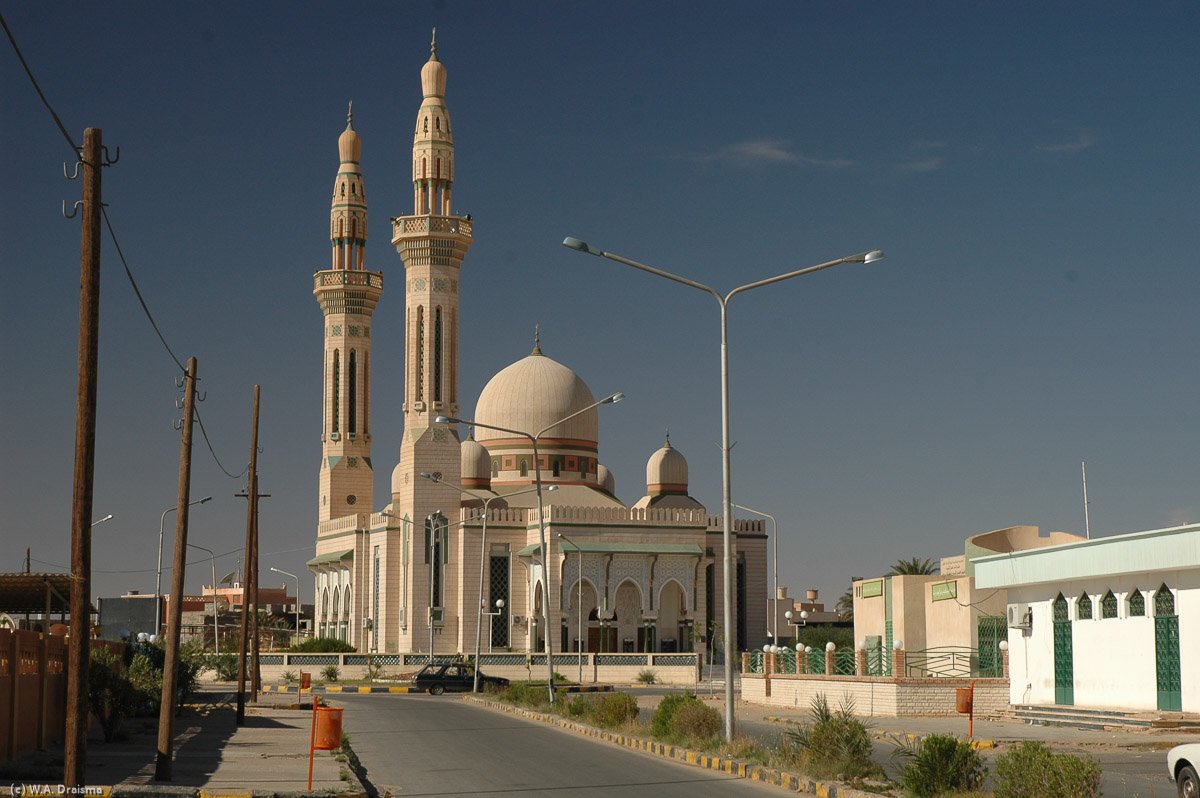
412 225
592 515
754 526
347 523
348 291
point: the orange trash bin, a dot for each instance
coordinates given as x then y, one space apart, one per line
329 728
963 700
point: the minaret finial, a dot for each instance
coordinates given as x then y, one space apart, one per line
537 339
667 445
350 117
433 47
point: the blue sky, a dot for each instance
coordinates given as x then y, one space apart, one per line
1030 169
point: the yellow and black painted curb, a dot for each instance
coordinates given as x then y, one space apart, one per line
794 782
339 688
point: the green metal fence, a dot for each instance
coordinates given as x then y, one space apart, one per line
943 662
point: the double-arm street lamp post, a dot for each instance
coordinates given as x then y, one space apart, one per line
537 471
293 576
158 579
216 628
487 500
578 607
774 626
727 531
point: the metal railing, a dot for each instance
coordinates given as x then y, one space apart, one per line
943 662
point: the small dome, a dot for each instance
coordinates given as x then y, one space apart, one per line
349 144
667 471
433 74
605 478
532 394
476 464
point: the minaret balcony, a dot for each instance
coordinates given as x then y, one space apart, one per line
348 291
417 225
339 277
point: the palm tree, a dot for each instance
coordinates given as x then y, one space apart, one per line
845 604
914 567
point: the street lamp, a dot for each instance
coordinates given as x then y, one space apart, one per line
293 576
578 606
216 629
727 532
490 615
775 569
487 500
158 580
108 517
537 471
802 620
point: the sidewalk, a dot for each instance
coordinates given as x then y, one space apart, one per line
269 754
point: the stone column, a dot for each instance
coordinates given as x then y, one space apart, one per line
898 663
860 657
829 655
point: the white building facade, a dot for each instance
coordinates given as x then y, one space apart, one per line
1108 623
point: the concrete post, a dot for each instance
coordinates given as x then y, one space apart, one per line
898 664
860 658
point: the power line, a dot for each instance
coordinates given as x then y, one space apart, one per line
38 89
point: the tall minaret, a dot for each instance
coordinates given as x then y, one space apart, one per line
432 243
347 293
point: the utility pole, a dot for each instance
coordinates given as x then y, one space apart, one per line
251 495
166 712
79 647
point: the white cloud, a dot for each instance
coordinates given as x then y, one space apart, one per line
1082 142
921 165
770 151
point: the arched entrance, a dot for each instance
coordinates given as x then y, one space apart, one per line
575 633
628 623
672 609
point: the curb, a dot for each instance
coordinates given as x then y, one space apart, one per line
793 782
338 688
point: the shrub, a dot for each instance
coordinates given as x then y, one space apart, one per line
330 673
696 721
111 696
660 724
837 744
647 676
527 694
322 645
146 682
289 677
226 667
1033 769
943 764
373 670
616 710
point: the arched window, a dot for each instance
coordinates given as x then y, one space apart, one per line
426 124
495 468
343 190
337 376
420 365
1164 601
557 467
1136 604
437 355
524 467
1108 605
437 123
353 418
1060 608
1083 607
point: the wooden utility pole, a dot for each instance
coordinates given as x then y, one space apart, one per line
170 682
79 647
251 495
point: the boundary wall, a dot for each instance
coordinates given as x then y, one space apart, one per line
875 696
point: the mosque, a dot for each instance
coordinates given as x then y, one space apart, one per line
463 528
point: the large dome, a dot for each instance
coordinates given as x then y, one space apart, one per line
532 394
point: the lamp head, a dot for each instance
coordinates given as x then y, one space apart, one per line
205 499
788 615
866 257
612 400
552 487
430 477
500 604
575 243
447 420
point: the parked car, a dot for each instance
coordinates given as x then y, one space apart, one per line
1183 763
456 678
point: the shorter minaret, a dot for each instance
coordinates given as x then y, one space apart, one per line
348 294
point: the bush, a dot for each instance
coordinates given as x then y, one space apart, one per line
837 744
1033 769
226 667
146 682
330 673
647 676
373 670
606 710
943 764
697 722
111 696
322 645
289 677
660 724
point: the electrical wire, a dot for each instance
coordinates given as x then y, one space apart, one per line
113 235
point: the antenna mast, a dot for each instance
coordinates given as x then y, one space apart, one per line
1087 524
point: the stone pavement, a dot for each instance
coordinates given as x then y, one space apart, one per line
212 754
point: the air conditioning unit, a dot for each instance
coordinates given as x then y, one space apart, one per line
437 614
368 623
1020 616
403 620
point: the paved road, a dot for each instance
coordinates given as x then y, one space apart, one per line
416 745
